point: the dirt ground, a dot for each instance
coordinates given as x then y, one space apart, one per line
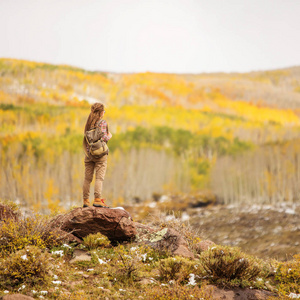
264 231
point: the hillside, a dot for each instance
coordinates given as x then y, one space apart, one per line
193 126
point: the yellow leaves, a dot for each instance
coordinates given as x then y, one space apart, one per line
251 112
51 195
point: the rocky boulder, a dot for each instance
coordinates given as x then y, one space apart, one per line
115 223
166 239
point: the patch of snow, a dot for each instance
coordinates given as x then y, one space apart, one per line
170 217
118 208
58 252
44 292
163 198
294 296
185 217
192 280
101 262
290 211
22 287
144 257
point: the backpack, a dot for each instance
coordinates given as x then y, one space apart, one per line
97 146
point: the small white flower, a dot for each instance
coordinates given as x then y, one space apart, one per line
56 282
67 246
90 270
6 292
294 296
150 258
55 277
121 290
100 287
24 257
34 292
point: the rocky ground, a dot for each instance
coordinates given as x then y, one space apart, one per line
263 231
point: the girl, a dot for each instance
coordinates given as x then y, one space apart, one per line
93 163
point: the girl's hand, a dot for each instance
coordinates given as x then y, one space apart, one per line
109 135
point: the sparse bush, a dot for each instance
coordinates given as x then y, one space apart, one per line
288 275
94 241
128 264
28 266
18 233
228 266
176 268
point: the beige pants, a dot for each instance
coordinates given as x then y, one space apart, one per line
91 165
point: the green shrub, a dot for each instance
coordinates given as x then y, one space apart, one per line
176 268
94 241
228 266
288 275
18 233
28 266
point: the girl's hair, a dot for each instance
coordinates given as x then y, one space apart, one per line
94 116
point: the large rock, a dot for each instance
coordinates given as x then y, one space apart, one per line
116 224
166 239
80 255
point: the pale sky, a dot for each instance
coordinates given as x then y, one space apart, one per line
180 36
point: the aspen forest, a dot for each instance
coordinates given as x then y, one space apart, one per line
233 135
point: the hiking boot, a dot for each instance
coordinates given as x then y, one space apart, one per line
86 203
100 203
